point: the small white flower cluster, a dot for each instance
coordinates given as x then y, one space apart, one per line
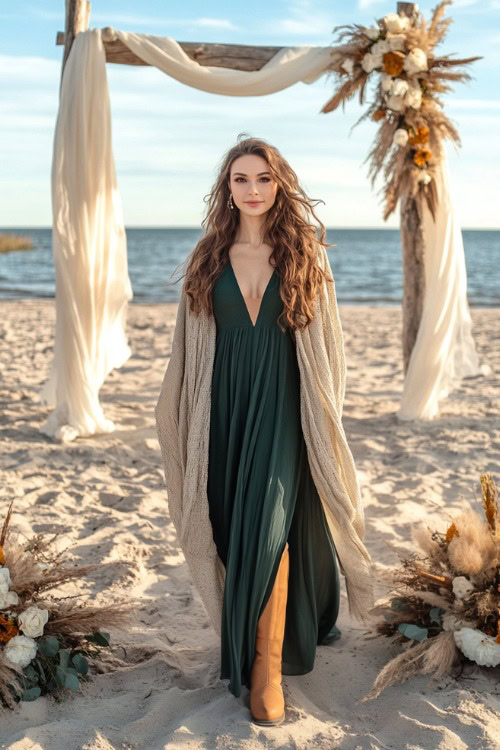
21 649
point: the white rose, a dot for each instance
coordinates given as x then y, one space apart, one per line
395 103
462 587
32 620
399 87
372 32
396 23
380 48
424 177
400 137
20 650
348 65
397 42
4 579
415 61
413 97
370 62
478 646
8 598
386 82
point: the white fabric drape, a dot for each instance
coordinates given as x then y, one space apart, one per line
89 249
88 233
444 350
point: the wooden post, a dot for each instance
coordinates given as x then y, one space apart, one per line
413 256
77 19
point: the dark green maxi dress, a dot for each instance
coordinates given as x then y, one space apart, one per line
260 490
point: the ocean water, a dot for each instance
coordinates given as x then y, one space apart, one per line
366 264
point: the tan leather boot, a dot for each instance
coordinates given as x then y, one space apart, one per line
267 704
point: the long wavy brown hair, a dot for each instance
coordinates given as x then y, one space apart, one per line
286 229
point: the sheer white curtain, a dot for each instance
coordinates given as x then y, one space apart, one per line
444 350
89 241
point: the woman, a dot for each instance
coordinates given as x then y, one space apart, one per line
255 274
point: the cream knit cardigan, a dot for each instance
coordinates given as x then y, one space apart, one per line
183 424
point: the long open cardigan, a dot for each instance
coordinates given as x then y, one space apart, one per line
183 424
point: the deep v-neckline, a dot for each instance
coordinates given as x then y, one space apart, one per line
243 299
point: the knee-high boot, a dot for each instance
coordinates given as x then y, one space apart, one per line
267 704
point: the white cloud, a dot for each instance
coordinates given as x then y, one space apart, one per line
471 104
127 19
304 18
363 4
214 23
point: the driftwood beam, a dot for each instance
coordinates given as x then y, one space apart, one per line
234 56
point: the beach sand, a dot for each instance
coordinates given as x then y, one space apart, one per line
107 496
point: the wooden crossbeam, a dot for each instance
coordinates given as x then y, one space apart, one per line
234 56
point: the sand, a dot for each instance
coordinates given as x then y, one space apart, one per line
107 496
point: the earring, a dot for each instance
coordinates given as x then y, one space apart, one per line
230 201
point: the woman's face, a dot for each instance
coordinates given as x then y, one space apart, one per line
251 181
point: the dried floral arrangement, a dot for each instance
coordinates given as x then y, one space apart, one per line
45 642
447 609
398 54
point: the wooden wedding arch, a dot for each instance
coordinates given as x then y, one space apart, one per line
249 58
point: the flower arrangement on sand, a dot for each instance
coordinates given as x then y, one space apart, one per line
446 610
46 643
398 55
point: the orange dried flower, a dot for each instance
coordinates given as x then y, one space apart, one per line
379 115
2 555
421 157
452 531
8 629
497 639
419 135
393 63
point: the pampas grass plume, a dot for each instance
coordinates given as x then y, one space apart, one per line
472 549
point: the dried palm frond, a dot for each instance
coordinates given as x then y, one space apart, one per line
70 617
435 655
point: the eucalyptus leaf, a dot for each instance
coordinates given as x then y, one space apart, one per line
413 631
63 658
81 663
31 673
71 682
435 614
32 694
60 675
48 646
101 638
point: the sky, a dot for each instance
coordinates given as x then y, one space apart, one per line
168 138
